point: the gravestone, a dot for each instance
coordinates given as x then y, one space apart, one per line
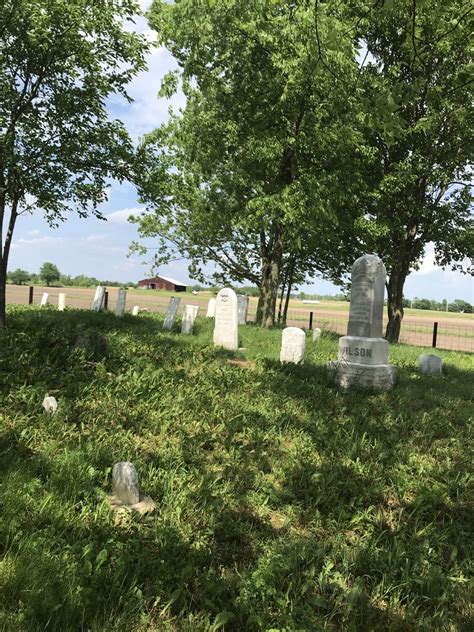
363 353
171 313
135 310
316 334
50 404
125 491
430 364
120 305
44 299
226 320
61 301
292 345
99 298
243 303
211 308
189 315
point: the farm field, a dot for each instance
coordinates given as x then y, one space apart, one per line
456 331
282 503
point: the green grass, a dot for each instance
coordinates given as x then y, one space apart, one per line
282 504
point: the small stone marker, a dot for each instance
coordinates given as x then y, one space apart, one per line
430 364
363 353
292 345
226 320
125 490
44 299
171 313
135 310
211 308
61 301
189 315
50 404
243 302
316 334
120 305
99 299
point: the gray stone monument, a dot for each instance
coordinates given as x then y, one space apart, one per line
243 303
44 299
211 308
292 345
226 320
363 353
99 299
61 301
125 491
171 313
430 364
120 305
189 316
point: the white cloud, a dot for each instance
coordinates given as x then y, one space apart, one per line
428 264
37 242
95 238
33 233
121 217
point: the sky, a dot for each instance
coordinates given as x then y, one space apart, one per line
101 248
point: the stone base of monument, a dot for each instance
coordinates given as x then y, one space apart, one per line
363 364
143 506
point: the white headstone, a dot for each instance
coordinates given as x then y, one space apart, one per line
316 333
363 353
44 299
61 301
292 345
99 299
430 364
50 404
135 310
189 315
171 313
125 483
243 302
226 320
121 300
211 308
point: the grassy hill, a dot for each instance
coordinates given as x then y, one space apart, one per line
282 504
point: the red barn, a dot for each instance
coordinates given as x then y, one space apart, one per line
162 283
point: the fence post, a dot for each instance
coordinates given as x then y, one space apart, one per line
435 334
106 299
311 320
30 295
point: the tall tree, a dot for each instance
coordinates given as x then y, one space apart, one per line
59 61
418 109
49 273
250 174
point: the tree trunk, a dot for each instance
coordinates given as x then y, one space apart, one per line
3 297
280 304
269 293
395 304
287 300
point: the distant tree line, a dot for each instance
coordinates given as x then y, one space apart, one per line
49 274
457 305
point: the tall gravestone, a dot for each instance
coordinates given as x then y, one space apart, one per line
44 299
243 302
171 313
61 301
363 353
189 316
211 308
226 320
99 298
121 300
292 345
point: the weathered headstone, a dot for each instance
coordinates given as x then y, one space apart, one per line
120 305
430 364
189 315
363 353
317 333
135 310
243 303
226 320
99 299
171 313
50 404
125 490
44 299
211 308
61 301
292 345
